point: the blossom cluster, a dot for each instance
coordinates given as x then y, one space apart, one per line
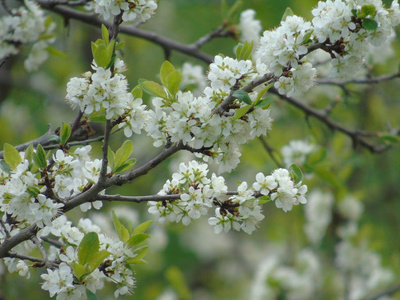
131 10
240 210
26 25
104 91
347 29
61 281
30 196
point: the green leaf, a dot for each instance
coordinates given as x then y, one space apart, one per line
142 227
119 46
124 234
65 133
88 247
11 156
177 280
295 173
263 199
316 157
137 92
152 88
391 138
125 166
111 158
241 112
78 270
354 12
367 10
174 82
243 51
102 53
263 91
29 153
138 259
264 103
117 224
307 37
369 24
33 191
166 69
55 52
233 10
123 153
39 157
90 295
242 96
224 9
104 33
288 12
137 239
96 259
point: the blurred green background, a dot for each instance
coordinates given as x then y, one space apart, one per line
217 266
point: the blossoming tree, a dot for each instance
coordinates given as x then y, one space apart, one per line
210 116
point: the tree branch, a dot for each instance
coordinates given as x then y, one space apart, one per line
370 80
219 32
164 42
386 292
357 136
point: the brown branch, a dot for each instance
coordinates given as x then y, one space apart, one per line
386 292
357 136
249 88
138 199
92 19
219 32
370 80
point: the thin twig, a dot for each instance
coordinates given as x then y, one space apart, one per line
393 289
219 32
106 142
7 233
53 242
24 257
357 136
92 19
369 80
41 249
270 151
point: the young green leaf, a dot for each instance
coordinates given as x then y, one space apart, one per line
137 239
124 234
367 10
29 153
11 156
55 52
243 51
264 103
295 173
138 259
111 158
90 295
263 91
39 157
369 24
142 227
152 88
166 69
87 247
123 153
241 112
125 166
242 96
117 224
288 12
78 270
65 133
137 92
95 260
174 82
104 33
